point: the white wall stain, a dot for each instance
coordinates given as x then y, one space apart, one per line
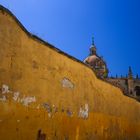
5 89
66 83
84 112
16 96
27 100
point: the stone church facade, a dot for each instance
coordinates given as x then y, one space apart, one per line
130 85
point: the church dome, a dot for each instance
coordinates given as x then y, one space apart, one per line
91 59
96 63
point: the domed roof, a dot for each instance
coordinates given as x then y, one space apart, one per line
96 62
91 59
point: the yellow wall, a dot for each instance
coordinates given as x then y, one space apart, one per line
30 67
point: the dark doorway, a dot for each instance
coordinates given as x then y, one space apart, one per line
137 89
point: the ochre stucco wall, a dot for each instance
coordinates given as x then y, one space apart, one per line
36 70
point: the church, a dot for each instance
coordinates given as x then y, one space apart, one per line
96 62
130 85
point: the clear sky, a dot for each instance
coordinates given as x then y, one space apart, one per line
70 24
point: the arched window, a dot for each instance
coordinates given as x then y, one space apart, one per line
137 90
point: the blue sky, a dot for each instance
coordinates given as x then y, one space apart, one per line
70 24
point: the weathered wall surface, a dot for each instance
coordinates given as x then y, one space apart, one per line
47 90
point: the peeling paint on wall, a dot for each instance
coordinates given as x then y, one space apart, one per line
16 96
5 89
27 100
51 109
66 83
47 107
84 112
